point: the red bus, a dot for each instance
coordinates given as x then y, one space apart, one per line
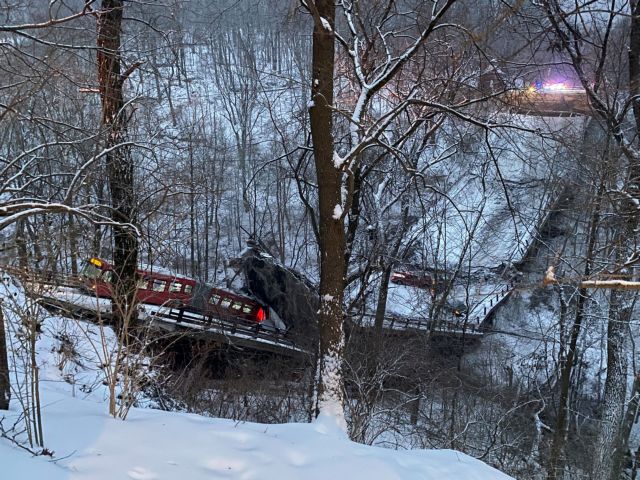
165 289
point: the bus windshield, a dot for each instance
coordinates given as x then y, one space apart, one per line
90 271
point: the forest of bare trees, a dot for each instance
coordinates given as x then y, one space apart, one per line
393 158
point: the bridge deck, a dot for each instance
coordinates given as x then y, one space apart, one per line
63 295
472 325
549 104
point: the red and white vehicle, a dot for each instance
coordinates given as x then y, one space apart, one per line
413 279
165 289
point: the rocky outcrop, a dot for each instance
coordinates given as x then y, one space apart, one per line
287 292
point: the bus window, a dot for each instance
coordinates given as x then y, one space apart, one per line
188 288
225 303
214 299
246 309
236 305
158 285
107 276
143 284
175 287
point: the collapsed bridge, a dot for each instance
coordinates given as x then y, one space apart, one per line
64 295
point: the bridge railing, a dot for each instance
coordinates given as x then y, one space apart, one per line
453 325
234 326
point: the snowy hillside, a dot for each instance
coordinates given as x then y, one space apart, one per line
150 444
419 219
87 443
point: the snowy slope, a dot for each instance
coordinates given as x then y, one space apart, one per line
500 193
152 444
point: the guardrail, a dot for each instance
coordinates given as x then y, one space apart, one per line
454 326
494 300
473 325
234 326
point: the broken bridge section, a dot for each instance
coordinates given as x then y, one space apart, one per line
64 296
287 292
296 301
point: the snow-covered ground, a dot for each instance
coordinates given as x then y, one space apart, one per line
153 444
150 444
501 193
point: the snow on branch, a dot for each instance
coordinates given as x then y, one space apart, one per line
48 23
13 212
609 284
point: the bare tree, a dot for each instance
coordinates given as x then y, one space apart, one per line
597 67
30 187
119 162
330 395
5 386
374 94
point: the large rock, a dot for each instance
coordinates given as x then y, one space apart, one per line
287 292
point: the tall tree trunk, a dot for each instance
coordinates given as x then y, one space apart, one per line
381 307
5 386
73 246
607 448
192 217
21 245
119 161
613 435
330 397
568 359
625 430
612 440
634 60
